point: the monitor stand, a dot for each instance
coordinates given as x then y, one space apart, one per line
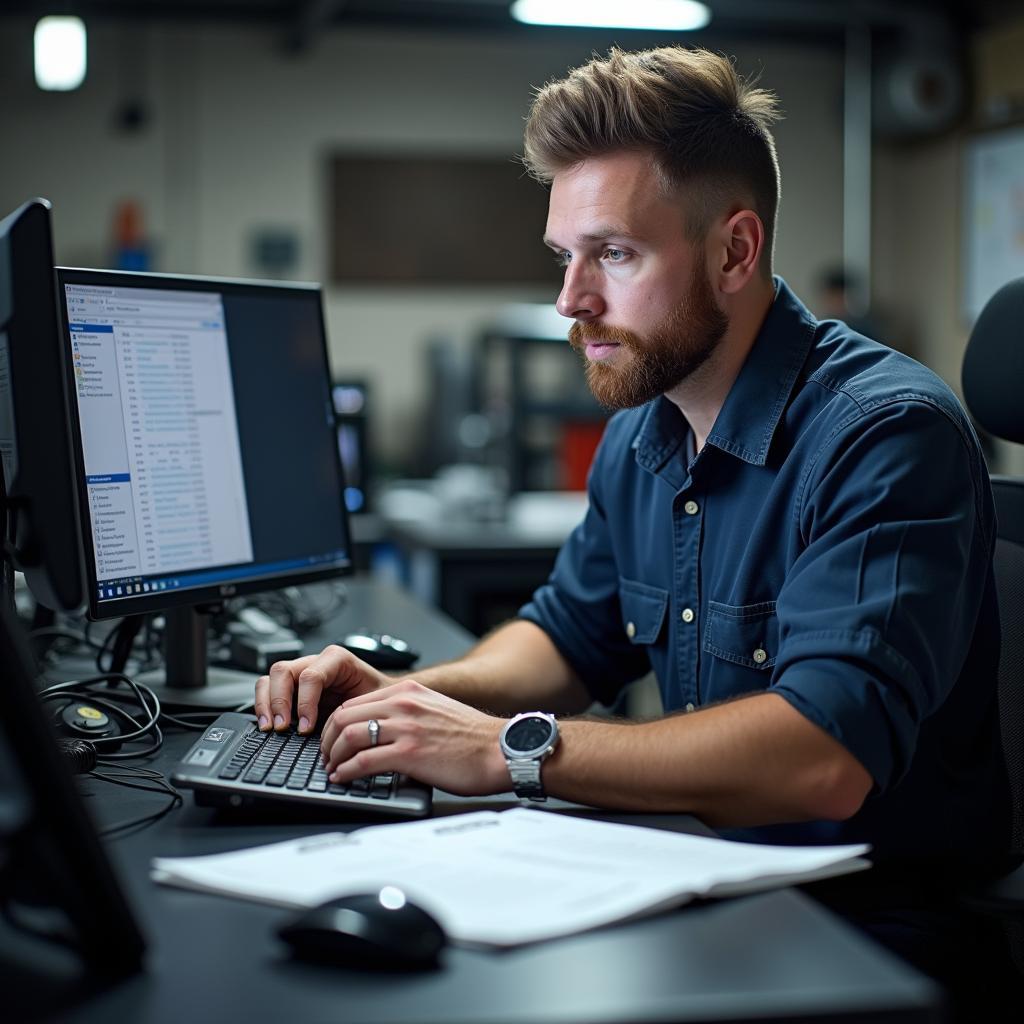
186 678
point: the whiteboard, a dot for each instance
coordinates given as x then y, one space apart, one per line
993 225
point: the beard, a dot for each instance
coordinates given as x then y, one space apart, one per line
661 361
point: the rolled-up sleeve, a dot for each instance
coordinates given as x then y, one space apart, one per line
578 607
877 613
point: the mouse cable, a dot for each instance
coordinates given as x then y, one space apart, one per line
135 778
118 644
183 719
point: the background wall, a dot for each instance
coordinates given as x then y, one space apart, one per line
918 194
238 139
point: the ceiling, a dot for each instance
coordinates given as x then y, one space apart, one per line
302 20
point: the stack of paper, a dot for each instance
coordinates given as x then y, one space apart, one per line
512 877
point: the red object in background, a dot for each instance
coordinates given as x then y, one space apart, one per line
128 233
578 444
131 251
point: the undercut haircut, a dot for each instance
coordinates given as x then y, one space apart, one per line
707 129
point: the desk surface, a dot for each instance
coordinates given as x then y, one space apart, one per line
774 956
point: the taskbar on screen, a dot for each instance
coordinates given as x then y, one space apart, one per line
117 589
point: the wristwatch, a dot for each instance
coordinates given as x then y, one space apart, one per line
527 741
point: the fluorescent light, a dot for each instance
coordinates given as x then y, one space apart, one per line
675 15
60 53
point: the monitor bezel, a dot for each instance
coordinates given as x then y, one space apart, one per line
42 534
214 593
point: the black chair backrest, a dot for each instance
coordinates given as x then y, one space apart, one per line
993 370
1009 570
993 383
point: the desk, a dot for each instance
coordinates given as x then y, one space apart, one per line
770 957
480 574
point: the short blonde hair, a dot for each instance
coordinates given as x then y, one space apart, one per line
705 126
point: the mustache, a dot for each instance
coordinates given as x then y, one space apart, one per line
583 333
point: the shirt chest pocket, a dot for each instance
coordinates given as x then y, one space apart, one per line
643 610
745 634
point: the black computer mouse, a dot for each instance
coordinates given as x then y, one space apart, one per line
382 931
381 650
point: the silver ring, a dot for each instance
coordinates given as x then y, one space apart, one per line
373 728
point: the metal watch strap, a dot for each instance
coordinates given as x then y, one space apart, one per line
526 778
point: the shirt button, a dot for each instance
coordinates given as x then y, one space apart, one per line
760 655
689 707
687 615
691 508
630 630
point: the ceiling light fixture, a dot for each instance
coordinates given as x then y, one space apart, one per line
671 15
60 52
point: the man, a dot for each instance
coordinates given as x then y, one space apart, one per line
790 523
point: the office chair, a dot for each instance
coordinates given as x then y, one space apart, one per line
993 384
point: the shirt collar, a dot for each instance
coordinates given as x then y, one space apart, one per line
752 409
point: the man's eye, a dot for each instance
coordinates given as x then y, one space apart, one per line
562 258
615 255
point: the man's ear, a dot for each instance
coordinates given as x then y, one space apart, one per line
740 242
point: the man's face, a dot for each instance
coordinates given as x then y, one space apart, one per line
645 314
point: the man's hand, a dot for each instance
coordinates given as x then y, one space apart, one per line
422 733
323 681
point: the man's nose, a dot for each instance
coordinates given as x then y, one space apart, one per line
579 298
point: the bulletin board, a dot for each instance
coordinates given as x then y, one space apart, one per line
993 215
448 220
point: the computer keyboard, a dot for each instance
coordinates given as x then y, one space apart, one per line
293 761
235 764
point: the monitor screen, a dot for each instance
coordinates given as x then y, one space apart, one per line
205 435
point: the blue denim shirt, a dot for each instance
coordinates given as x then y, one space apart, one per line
831 543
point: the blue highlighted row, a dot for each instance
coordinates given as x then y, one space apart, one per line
92 328
110 478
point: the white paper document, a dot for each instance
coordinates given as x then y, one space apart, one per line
511 877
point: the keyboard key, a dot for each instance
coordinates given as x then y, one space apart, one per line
298 778
381 787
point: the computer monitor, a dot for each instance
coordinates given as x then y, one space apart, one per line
206 457
41 532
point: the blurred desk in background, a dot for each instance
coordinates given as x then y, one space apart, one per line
481 573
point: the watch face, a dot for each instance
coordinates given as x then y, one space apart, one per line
529 734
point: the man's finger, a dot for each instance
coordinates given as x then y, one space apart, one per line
352 741
371 761
261 704
282 690
344 718
333 668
